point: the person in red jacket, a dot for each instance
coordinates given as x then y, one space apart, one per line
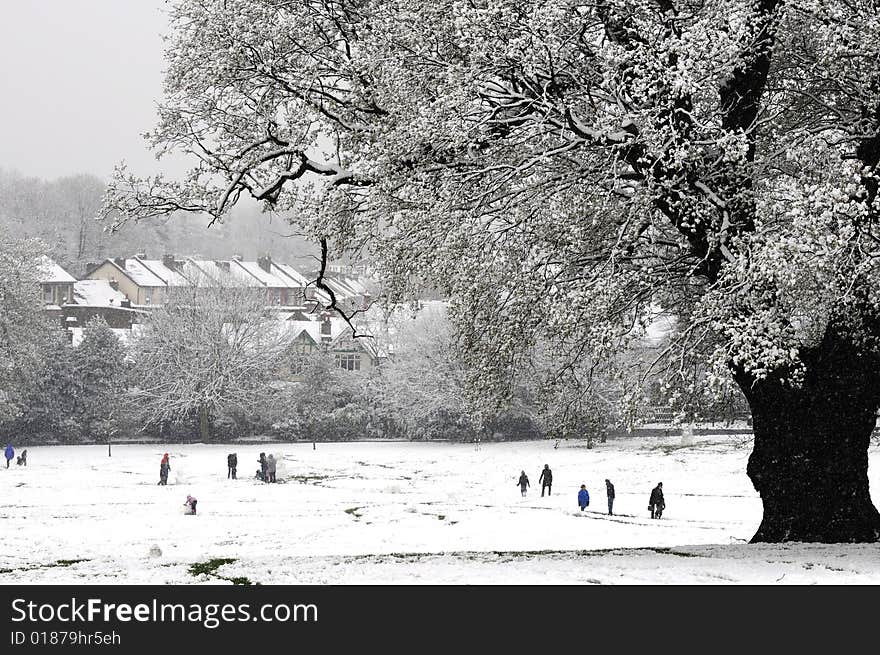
164 467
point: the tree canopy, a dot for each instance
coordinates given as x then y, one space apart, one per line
562 170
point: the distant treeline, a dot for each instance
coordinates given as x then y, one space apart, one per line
62 214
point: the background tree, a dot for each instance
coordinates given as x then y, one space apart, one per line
79 395
62 213
101 374
422 387
565 171
24 330
206 351
325 403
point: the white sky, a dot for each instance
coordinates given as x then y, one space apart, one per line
79 82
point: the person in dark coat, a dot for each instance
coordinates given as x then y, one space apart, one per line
583 497
190 505
264 468
164 468
657 504
546 480
523 483
10 453
609 491
232 464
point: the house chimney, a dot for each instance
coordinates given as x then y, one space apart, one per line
168 261
265 262
141 255
237 257
120 262
326 327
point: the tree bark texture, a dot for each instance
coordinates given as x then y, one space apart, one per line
810 457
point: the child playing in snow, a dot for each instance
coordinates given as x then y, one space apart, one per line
190 505
583 497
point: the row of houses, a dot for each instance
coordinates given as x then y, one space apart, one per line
123 292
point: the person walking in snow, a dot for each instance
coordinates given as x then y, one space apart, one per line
546 480
523 483
583 497
164 468
271 467
190 505
264 467
232 464
657 504
10 453
609 491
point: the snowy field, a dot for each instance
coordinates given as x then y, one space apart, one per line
402 513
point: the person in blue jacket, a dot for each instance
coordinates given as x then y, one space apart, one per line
10 453
583 497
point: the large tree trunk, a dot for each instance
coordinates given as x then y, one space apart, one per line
204 425
810 457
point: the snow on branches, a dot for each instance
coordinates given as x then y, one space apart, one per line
561 170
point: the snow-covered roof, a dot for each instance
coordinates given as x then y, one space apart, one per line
312 327
294 324
342 288
234 272
298 279
52 273
169 276
206 272
266 278
141 275
97 293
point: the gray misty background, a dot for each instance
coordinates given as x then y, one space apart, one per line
80 81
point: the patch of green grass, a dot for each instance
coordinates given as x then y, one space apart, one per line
57 563
240 580
210 568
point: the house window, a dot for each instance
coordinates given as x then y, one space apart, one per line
348 362
47 295
148 296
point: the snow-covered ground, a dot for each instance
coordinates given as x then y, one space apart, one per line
402 513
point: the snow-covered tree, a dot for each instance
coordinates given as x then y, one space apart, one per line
325 402
101 381
563 170
422 387
78 393
24 329
206 351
